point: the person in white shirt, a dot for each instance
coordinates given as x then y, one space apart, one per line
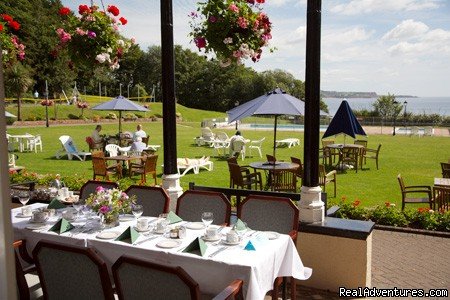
96 135
139 133
237 142
138 145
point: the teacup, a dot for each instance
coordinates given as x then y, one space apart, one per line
68 214
50 211
211 232
39 216
232 237
161 226
142 223
26 211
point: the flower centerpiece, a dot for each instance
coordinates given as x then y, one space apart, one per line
233 29
12 49
93 37
108 203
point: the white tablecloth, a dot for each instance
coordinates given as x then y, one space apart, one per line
258 269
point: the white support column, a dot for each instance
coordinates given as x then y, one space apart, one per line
312 209
171 183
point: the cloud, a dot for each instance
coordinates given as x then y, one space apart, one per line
406 29
347 35
356 7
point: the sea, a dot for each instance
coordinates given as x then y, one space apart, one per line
416 105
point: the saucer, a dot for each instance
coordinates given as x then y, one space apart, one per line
159 231
38 222
35 226
271 235
142 230
168 244
195 225
211 239
20 215
107 235
230 243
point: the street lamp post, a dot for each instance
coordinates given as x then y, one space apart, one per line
128 90
236 104
395 114
120 89
404 114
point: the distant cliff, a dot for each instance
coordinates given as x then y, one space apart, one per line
334 94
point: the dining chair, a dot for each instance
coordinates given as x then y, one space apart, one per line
136 279
154 200
146 167
238 149
112 149
351 156
33 142
361 142
414 189
71 272
326 178
101 169
441 197
244 168
93 145
299 170
240 180
331 154
268 213
271 158
145 140
91 185
371 154
31 288
256 145
284 181
191 204
445 167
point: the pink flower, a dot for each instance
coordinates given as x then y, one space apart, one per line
237 54
104 209
80 31
233 8
133 40
91 34
64 37
212 19
242 22
200 42
99 189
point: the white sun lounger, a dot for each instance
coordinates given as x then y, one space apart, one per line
184 165
70 149
287 142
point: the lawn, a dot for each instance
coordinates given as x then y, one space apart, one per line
417 159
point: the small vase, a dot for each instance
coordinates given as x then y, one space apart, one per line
110 220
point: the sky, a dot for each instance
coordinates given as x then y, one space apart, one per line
400 47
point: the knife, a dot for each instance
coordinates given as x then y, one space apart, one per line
146 240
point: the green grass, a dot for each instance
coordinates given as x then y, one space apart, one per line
417 159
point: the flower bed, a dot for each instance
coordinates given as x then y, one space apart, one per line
12 49
388 214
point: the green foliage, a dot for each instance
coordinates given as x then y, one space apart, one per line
130 117
387 107
111 116
73 117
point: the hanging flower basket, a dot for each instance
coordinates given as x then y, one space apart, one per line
12 49
92 38
233 30
47 102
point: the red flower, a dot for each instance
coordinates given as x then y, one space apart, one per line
7 18
123 20
64 11
388 204
260 1
1 27
200 42
14 25
356 203
114 10
82 9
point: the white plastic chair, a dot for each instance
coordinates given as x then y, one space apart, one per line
70 149
222 136
256 145
238 147
112 149
33 142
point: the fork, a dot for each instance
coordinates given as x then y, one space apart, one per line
218 251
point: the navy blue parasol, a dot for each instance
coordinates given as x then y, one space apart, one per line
344 122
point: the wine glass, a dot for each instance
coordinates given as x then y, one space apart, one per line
207 218
24 197
78 205
240 230
137 210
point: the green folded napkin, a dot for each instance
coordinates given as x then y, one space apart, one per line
55 204
130 235
240 225
61 226
173 218
198 246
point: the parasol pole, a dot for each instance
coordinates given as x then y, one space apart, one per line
120 125
275 136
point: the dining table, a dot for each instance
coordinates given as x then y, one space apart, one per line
125 159
271 167
21 139
442 182
273 255
340 149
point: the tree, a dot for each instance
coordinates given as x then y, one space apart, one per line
18 79
387 108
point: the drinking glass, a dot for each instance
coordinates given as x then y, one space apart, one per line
207 218
137 210
162 216
78 205
240 230
24 197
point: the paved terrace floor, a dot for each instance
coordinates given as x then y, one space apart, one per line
402 260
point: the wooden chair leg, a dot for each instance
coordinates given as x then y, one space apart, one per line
293 289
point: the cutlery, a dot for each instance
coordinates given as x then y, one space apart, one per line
218 251
145 240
